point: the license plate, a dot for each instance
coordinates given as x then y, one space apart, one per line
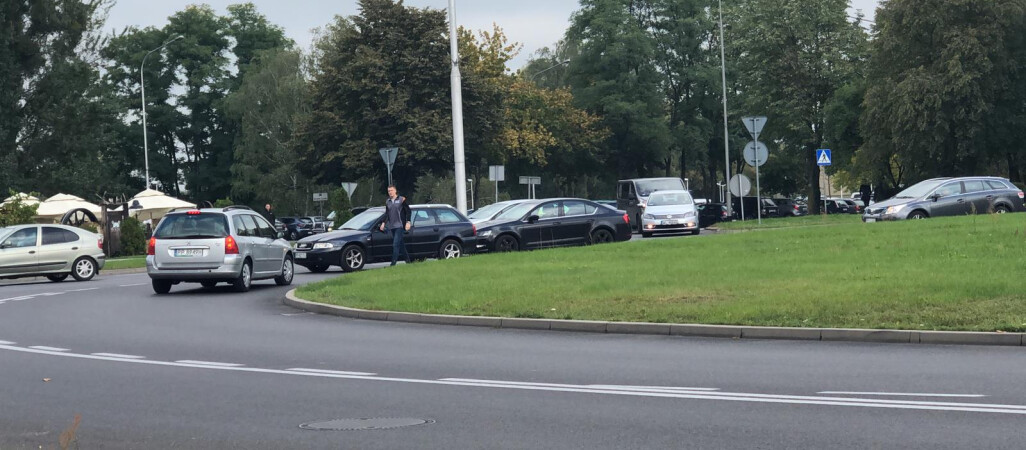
300 255
671 222
870 219
188 252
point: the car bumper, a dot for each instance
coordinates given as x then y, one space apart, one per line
881 217
667 226
320 257
229 269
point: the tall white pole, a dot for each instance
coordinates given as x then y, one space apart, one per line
457 114
726 137
142 90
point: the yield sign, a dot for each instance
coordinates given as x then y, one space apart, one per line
754 125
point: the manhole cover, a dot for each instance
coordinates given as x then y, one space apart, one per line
373 423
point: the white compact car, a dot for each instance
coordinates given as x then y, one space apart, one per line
669 212
53 251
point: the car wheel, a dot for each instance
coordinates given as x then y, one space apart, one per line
245 279
84 269
646 235
317 269
208 284
57 278
450 249
916 215
1000 209
288 270
161 286
601 236
506 243
353 258
695 233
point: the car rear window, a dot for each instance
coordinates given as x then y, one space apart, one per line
192 226
994 184
448 216
974 186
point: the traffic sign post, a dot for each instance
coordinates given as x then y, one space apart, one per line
320 198
759 153
388 155
824 159
350 188
740 185
531 182
496 174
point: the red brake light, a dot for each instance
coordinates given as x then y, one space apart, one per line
194 212
99 243
230 247
152 248
475 229
626 218
1021 194
795 207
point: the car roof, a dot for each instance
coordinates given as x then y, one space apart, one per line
648 179
671 191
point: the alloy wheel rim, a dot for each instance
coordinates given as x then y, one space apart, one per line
451 251
84 268
287 270
245 274
354 259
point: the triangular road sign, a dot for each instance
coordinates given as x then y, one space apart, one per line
823 157
754 125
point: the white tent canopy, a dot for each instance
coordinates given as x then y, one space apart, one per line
154 204
25 199
55 207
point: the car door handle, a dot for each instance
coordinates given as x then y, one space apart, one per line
32 252
436 229
990 197
74 248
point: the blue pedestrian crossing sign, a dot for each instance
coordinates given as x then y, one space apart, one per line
823 157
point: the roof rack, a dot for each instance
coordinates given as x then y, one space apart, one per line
233 207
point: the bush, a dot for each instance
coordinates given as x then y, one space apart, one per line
91 227
338 200
16 213
223 203
133 237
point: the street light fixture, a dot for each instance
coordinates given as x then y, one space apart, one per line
142 86
531 78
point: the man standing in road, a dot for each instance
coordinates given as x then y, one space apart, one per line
397 221
268 214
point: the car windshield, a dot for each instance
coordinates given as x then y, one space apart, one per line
486 212
647 187
362 221
919 189
516 212
306 220
192 226
669 198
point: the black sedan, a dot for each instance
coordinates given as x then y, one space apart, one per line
711 214
437 231
553 223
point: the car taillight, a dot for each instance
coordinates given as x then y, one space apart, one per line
795 207
99 243
230 247
151 249
626 218
194 212
1021 194
474 227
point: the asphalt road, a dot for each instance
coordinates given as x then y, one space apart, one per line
215 369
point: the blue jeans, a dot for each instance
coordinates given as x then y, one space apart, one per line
398 244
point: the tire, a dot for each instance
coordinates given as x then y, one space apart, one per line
208 284
353 258
646 235
245 279
450 249
637 221
696 232
317 269
602 236
288 271
83 269
1001 209
58 278
161 286
506 243
917 215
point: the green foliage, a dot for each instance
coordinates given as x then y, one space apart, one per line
339 202
16 212
224 202
133 237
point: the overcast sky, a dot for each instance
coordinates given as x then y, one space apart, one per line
533 23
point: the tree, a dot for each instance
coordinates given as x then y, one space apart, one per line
133 237
613 77
16 212
339 201
945 94
794 54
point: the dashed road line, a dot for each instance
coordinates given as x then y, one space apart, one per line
208 363
49 349
901 394
332 372
132 285
118 355
7 343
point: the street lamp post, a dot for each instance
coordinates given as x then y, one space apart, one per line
726 136
142 87
457 114
531 78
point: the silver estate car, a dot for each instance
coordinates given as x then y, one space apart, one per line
949 197
53 251
208 246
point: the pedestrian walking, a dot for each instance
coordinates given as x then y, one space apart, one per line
269 213
397 222
866 193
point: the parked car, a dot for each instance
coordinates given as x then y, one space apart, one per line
53 251
610 203
790 208
553 222
949 197
836 206
669 212
216 245
320 223
632 194
854 207
297 228
437 231
486 213
711 214
769 209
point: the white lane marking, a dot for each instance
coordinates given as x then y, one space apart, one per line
132 285
7 343
723 396
332 372
83 290
607 387
297 314
49 349
208 363
902 394
118 355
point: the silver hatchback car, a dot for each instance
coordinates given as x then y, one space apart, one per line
208 246
53 251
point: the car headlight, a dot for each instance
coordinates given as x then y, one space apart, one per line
485 233
323 245
895 209
689 214
648 216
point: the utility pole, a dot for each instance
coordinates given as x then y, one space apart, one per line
726 137
457 114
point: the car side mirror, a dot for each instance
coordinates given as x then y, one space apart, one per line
5 245
934 197
280 235
533 219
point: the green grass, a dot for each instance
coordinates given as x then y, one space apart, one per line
962 273
791 222
131 262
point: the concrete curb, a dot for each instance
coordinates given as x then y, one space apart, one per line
123 271
665 329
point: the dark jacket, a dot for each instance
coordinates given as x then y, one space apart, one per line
404 211
269 215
